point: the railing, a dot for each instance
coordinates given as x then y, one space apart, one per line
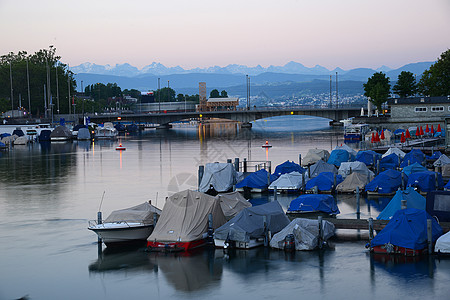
253 166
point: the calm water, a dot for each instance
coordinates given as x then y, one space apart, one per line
48 192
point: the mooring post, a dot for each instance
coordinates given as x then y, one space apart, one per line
370 228
300 159
320 240
430 236
436 182
229 161
378 167
309 172
99 221
334 181
275 193
403 181
303 180
358 208
236 164
245 165
266 237
201 171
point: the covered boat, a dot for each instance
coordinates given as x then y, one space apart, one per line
249 228
183 224
414 156
414 168
21 140
106 132
352 182
126 226
44 136
324 182
346 148
319 167
396 151
232 203
83 134
442 245
406 233
60 133
288 167
218 178
305 233
288 182
314 155
339 156
438 205
391 161
441 161
256 182
368 157
387 182
426 181
347 168
413 200
314 203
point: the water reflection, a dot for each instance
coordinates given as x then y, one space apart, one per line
116 260
404 267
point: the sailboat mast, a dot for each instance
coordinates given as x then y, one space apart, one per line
29 94
10 79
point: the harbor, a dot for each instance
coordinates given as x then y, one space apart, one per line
78 173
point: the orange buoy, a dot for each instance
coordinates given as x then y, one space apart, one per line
120 147
267 145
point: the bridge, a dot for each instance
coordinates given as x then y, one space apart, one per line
243 116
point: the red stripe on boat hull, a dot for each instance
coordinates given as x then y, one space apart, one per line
175 246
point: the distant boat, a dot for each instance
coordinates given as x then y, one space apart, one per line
60 133
106 132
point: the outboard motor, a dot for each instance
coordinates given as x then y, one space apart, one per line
289 242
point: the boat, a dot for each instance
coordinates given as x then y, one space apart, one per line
352 182
355 132
218 178
60 133
127 226
325 182
288 167
410 198
288 182
438 205
21 140
338 156
267 145
442 246
250 227
426 181
256 182
232 203
406 233
368 157
186 222
319 167
83 134
314 155
386 183
106 132
312 205
302 234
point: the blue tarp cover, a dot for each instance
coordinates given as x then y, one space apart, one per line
314 202
413 200
324 181
338 156
389 162
408 229
414 168
426 181
257 180
386 182
435 155
414 156
368 157
288 167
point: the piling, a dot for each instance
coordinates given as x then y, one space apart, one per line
155 219
236 164
403 181
300 159
201 171
229 161
334 181
245 165
266 236
303 180
378 167
370 228
274 193
429 236
436 183
210 229
320 239
358 206
99 221
309 172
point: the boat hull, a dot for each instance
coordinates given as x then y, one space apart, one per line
175 246
122 234
253 243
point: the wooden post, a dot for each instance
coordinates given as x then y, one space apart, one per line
370 229
303 180
236 164
266 237
300 159
403 181
358 207
320 239
99 221
430 236
201 171
334 181
275 193
229 161
309 172
245 165
436 182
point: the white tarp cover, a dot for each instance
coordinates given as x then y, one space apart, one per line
351 182
9 139
306 234
21 140
185 217
142 213
397 151
442 160
443 244
315 155
232 203
288 181
355 167
221 176
346 148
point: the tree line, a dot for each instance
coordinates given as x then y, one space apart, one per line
434 81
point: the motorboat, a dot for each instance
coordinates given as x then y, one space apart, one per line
106 132
127 226
60 133
312 205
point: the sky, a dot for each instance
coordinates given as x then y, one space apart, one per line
203 33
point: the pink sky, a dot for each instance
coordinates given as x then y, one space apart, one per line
202 33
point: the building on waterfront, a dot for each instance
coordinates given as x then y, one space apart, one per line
421 109
215 104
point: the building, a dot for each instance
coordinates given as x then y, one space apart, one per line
419 109
215 104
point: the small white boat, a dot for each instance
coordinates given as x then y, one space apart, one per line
127 226
106 132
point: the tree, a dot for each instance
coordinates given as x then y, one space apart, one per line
214 94
377 89
436 80
406 85
223 94
165 95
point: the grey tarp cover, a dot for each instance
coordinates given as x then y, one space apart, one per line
306 234
347 148
288 181
61 131
351 182
442 160
315 155
139 213
232 203
395 150
185 217
446 170
249 223
355 167
221 176
321 166
83 134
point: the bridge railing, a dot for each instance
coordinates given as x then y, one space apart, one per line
253 166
